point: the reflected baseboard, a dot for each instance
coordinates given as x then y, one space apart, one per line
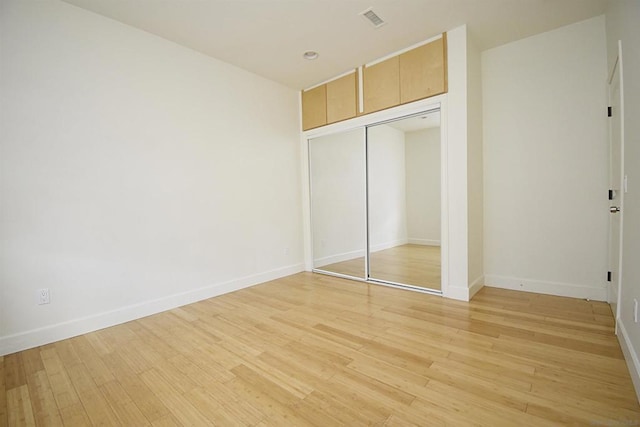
388 245
332 259
347 256
402 265
423 242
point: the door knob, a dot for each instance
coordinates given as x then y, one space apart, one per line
614 209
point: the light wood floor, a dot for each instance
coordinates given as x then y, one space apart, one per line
417 265
317 350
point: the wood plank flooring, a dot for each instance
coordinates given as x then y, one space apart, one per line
317 350
417 265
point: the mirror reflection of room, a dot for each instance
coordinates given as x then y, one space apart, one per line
338 210
396 201
404 201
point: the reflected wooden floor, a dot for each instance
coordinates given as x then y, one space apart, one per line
417 265
317 350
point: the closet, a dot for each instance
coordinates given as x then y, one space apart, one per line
375 201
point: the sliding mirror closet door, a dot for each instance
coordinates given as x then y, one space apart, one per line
403 173
338 203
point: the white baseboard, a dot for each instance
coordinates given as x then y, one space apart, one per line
460 293
388 245
424 242
475 286
630 356
464 293
544 287
332 259
346 256
36 337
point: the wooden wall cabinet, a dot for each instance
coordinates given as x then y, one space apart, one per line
381 85
314 107
331 102
342 98
412 75
423 71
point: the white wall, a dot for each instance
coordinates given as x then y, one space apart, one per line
422 157
386 186
137 175
546 162
622 19
475 171
455 254
338 210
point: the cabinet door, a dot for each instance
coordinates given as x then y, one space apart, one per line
342 98
381 85
423 71
314 107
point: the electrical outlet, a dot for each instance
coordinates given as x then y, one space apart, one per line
43 296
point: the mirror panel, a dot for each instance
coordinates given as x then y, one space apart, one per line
403 172
338 204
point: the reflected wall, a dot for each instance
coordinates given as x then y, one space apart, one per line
375 202
338 209
403 175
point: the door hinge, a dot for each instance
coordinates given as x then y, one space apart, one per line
608 276
608 111
610 194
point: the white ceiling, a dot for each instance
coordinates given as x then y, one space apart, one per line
419 122
268 37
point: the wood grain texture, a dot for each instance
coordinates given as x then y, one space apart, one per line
317 350
314 107
381 85
422 71
3 394
445 53
417 265
342 98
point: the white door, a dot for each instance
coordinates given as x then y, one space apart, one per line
616 185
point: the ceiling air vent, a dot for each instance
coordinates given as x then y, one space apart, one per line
372 17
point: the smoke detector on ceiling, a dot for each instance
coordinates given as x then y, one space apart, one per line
373 17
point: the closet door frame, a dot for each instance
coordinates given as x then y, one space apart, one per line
433 103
